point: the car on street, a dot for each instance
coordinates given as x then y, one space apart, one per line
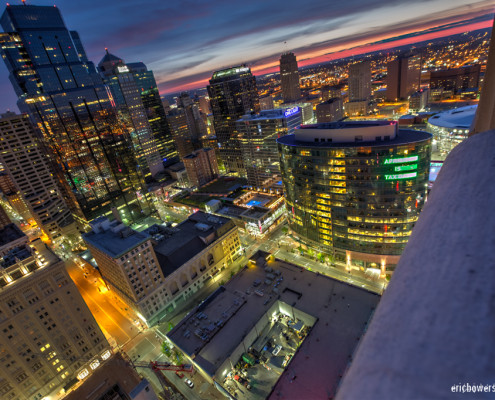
179 374
276 350
189 383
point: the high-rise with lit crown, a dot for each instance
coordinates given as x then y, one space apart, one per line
232 93
72 108
289 78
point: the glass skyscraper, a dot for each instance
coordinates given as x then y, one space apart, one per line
73 110
232 93
355 188
127 97
146 83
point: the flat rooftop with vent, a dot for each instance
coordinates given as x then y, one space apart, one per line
176 245
298 329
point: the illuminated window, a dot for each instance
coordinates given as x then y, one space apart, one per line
95 364
106 355
83 374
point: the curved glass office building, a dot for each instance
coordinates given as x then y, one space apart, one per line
355 188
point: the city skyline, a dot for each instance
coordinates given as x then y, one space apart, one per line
189 50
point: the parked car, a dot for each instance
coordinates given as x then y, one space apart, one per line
276 350
179 374
189 383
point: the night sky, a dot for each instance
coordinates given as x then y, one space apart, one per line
184 41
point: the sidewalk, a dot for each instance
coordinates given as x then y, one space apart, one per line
338 272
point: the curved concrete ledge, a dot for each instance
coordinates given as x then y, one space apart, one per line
435 325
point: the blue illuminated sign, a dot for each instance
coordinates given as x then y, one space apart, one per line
291 111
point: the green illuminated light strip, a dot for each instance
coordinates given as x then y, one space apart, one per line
410 167
395 177
401 160
230 71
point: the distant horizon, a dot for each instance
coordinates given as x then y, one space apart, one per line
362 50
184 43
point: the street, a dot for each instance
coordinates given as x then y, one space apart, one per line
142 346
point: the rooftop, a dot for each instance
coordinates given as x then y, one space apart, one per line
337 311
10 233
347 124
114 238
228 72
175 246
15 255
196 153
277 113
461 117
21 261
332 100
402 137
255 212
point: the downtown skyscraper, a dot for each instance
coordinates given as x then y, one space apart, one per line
360 81
146 83
232 93
127 98
259 134
289 78
359 88
66 99
403 76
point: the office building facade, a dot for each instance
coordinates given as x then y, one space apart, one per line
258 136
48 336
13 199
329 92
29 171
359 89
266 103
201 166
403 77
330 111
184 143
289 78
195 123
67 101
463 81
355 189
232 93
360 81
